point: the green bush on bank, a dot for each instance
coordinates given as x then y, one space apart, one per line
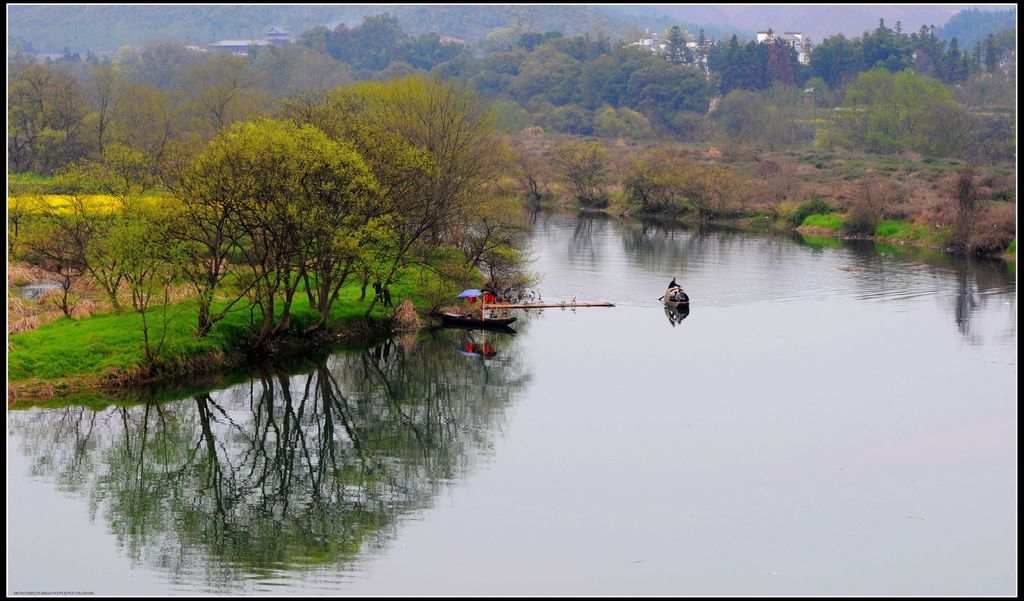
816 206
831 221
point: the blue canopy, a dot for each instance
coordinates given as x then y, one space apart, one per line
470 292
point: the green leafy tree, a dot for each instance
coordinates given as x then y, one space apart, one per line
886 49
47 112
547 73
301 213
889 112
662 89
369 47
837 60
621 123
149 268
432 146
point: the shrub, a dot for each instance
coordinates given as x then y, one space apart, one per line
861 220
876 197
767 167
816 206
598 201
994 230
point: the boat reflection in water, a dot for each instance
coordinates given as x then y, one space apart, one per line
677 314
482 343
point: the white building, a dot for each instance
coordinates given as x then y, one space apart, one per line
652 42
273 37
793 38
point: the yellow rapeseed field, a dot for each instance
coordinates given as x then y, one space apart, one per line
63 203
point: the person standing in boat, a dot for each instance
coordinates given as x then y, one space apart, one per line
673 284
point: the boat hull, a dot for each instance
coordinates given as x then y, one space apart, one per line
466 321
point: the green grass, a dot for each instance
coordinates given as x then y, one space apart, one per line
64 347
831 221
914 232
901 231
1012 248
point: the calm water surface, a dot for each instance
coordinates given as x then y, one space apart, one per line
829 419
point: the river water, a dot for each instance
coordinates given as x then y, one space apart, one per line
829 419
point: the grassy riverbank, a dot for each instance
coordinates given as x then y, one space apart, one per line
106 351
904 198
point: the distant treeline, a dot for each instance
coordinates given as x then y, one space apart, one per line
718 90
974 25
100 28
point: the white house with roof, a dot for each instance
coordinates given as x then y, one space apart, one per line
652 42
274 37
658 46
793 38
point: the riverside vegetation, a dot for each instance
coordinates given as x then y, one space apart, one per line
210 208
271 232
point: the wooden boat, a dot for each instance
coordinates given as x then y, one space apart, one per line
473 321
675 297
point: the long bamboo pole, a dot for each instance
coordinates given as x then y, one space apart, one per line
549 305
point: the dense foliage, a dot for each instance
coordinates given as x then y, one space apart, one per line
355 187
162 94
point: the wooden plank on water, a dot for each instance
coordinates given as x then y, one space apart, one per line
566 305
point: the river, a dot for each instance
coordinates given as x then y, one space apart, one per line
829 419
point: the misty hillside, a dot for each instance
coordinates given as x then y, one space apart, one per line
973 26
107 28
818 22
46 28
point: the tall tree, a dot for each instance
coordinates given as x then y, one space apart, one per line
107 87
584 166
676 51
223 89
991 58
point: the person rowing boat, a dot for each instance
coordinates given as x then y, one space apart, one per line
674 295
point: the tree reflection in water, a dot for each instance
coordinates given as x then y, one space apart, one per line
284 472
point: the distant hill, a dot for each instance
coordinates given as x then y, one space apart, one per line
972 26
816 21
656 19
105 28
51 28
474 22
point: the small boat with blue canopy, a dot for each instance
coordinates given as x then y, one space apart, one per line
472 320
